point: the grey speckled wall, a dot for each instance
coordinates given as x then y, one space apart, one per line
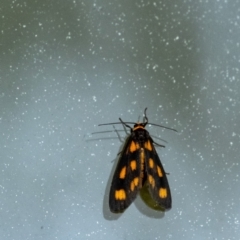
67 66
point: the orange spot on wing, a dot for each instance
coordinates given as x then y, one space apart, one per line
122 173
160 174
134 183
151 163
120 194
133 165
133 146
151 181
162 193
148 145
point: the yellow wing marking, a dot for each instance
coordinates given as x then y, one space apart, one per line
162 193
120 194
148 145
133 165
151 181
160 174
122 174
133 146
134 183
151 163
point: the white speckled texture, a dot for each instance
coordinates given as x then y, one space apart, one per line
67 66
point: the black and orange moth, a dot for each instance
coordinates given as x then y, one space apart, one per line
138 164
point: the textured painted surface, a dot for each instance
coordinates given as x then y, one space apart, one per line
67 66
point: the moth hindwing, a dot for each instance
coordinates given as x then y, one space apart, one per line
138 163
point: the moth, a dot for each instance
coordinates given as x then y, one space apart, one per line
138 164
